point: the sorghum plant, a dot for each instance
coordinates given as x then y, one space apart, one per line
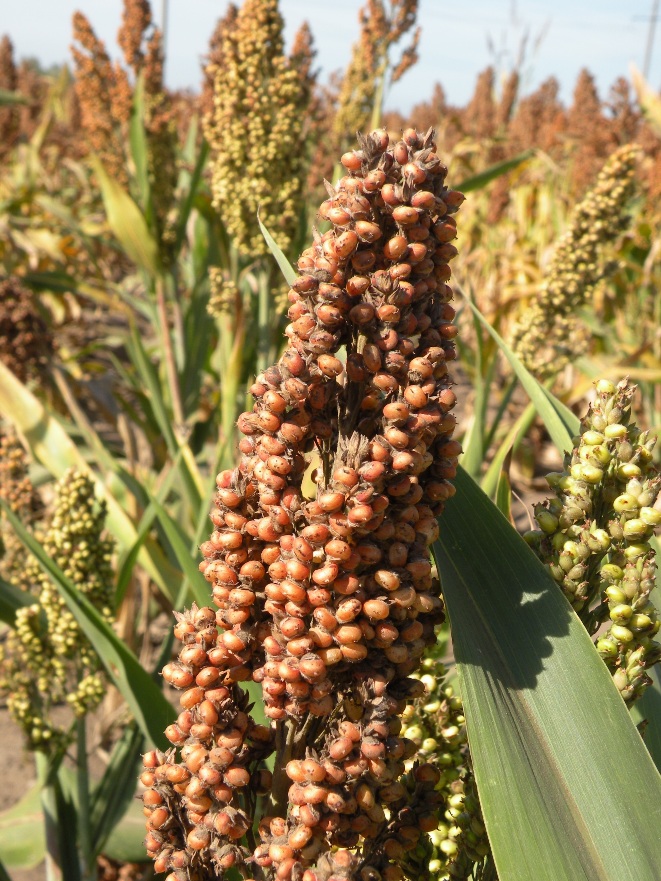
106 95
46 660
594 536
436 724
25 340
326 599
382 25
549 334
255 128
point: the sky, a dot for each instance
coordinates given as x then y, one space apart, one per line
458 39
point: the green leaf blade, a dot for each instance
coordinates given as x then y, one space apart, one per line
128 223
568 790
560 422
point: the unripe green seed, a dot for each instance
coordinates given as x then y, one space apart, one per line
625 502
593 438
637 549
598 541
547 522
650 516
635 529
621 613
621 634
605 387
614 431
607 647
615 594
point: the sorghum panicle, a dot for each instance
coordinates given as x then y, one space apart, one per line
381 27
104 107
47 660
26 342
548 335
255 130
594 536
436 724
9 82
17 491
327 599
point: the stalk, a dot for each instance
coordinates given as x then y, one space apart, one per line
84 812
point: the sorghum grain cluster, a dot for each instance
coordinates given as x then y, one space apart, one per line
594 536
46 660
549 335
328 599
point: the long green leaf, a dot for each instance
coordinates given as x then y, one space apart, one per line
67 831
568 791
517 431
114 792
138 141
198 585
7 98
648 709
22 843
128 223
554 415
149 706
285 266
126 842
479 181
12 599
188 201
4 874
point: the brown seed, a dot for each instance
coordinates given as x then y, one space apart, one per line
236 777
326 574
325 618
405 215
397 411
363 313
340 748
423 199
368 231
357 285
347 633
302 549
312 667
329 365
376 610
316 533
353 162
395 248
360 514
192 697
338 216
330 656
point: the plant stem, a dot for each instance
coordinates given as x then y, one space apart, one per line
170 365
82 783
48 804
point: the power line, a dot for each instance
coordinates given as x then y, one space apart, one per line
650 39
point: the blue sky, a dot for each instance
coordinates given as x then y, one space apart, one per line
565 35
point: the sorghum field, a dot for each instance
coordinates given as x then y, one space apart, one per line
329 482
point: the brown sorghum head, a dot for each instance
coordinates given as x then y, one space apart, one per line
8 81
326 595
136 19
381 27
26 343
102 97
